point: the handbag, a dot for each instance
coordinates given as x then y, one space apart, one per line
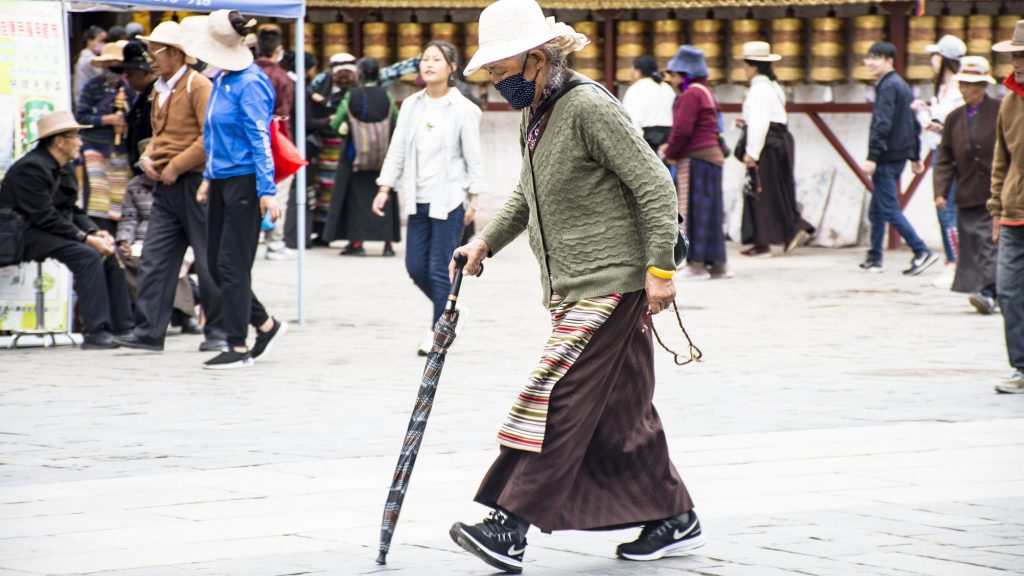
287 159
12 228
752 183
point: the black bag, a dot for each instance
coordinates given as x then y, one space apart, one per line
682 248
656 136
12 228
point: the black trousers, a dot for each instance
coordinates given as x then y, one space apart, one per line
291 220
176 222
233 233
103 295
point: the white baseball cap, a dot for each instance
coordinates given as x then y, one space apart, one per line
948 47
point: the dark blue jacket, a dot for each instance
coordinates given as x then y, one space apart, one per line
895 133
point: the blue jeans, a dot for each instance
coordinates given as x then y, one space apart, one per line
947 225
885 207
429 246
1010 286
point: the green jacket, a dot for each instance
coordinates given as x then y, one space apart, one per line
599 205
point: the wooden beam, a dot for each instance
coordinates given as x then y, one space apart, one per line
609 48
838 146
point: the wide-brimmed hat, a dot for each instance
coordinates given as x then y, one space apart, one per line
344 61
169 34
688 60
57 123
759 52
948 46
511 27
1014 44
974 69
112 55
135 56
214 40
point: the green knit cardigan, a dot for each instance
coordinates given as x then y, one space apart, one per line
599 205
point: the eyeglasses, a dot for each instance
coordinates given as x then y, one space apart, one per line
155 52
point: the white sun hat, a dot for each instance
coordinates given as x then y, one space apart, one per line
974 69
759 52
214 40
169 34
511 27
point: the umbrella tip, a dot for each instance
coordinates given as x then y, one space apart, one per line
381 558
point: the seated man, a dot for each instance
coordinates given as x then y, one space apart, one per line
43 190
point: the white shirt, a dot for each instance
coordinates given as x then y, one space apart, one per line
84 71
649 103
163 89
430 132
765 103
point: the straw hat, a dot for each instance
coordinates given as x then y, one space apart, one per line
759 52
57 123
169 34
1015 44
112 54
949 46
511 27
974 69
214 40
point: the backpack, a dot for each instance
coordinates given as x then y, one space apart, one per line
369 125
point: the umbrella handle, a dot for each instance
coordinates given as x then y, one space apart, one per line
453 296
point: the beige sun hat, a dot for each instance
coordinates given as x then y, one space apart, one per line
974 69
759 52
56 123
169 34
511 27
1015 44
214 40
112 54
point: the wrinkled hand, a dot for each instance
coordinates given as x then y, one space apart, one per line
475 253
148 169
869 167
116 120
269 204
940 203
170 174
917 167
203 192
660 293
380 201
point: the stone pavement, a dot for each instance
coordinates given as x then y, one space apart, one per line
841 424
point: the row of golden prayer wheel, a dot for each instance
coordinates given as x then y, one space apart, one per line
836 42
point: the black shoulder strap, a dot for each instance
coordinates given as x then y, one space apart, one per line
550 102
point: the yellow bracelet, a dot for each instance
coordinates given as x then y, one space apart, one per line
664 274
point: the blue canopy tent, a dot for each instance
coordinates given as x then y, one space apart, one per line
295 9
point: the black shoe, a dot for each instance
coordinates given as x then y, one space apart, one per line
265 339
214 345
499 540
130 340
191 326
659 539
871 266
388 250
350 251
983 303
101 340
920 263
228 360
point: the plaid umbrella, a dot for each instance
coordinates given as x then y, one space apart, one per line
444 335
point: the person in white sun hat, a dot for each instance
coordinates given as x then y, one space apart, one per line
238 181
582 446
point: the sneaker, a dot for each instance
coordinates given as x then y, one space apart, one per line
279 255
871 266
798 240
500 540
659 539
1012 385
694 274
191 326
214 345
101 340
388 249
265 339
426 345
228 360
983 303
755 252
138 343
350 251
920 263
945 278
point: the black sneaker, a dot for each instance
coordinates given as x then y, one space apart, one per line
500 540
130 340
265 339
101 340
214 345
920 263
228 360
871 266
388 250
983 303
353 251
659 539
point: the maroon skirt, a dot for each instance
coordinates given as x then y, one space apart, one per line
605 461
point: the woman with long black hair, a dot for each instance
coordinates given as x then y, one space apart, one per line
770 214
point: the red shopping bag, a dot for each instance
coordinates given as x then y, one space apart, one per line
287 159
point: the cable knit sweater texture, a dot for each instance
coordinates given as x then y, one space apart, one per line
598 204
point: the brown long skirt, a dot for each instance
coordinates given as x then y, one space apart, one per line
976 264
605 461
772 217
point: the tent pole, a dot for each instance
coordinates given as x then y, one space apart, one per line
300 143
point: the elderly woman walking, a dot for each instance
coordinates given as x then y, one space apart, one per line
582 446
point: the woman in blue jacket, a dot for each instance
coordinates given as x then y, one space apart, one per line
238 182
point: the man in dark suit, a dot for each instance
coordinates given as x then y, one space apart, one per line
43 190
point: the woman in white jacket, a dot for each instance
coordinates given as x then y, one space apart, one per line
434 163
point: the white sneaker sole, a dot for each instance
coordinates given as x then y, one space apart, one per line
499 561
232 366
676 548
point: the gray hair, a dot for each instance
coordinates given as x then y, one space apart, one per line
558 63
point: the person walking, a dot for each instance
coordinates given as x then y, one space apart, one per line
649 101
433 161
1007 209
770 213
964 164
600 211
238 181
95 39
946 55
327 91
364 119
895 138
694 147
174 159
